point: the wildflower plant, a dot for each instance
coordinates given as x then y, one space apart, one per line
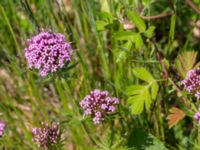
47 52
124 45
46 136
192 82
98 104
2 128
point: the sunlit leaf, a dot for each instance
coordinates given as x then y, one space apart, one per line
105 6
186 61
136 19
175 116
141 96
124 35
154 90
143 74
134 89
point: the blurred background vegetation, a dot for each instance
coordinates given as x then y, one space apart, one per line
110 38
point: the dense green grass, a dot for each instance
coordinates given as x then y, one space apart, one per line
105 56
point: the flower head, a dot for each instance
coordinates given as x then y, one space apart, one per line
46 135
197 116
98 104
2 128
47 52
192 82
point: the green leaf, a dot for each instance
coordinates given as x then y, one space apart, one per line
137 104
154 90
139 98
143 74
121 56
172 32
147 99
186 61
172 27
124 35
145 2
149 32
142 140
127 46
166 62
106 16
100 24
105 6
135 18
134 89
137 39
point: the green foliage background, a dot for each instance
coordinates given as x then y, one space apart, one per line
116 49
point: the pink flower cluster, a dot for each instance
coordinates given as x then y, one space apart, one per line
46 136
98 104
197 116
47 52
2 128
192 82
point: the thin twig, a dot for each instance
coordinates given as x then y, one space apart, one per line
167 77
193 6
171 4
129 25
163 15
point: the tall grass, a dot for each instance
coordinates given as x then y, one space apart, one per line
104 58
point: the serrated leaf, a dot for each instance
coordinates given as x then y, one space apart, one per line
175 116
186 61
134 89
139 97
143 74
135 18
142 140
137 104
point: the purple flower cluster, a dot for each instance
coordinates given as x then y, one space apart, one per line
192 82
2 128
47 52
98 104
197 116
46 136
